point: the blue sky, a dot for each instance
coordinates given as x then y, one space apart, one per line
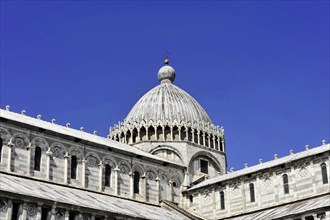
260 69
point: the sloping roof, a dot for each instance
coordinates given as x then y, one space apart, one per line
289 209
79 134
266 165
78 197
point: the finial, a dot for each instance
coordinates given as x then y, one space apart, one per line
95 132
23 112
53 121
260 161
7 107
232 169
39 117
275 156
324 142
291 152
68 125
82 129
246 165
166 61
307 147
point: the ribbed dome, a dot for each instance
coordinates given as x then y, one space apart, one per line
167 102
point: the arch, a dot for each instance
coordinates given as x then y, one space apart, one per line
74 166
76 151
40 142
324 173
20 140
139 168
4 135
167 147
209 156
178 177
107 159
58 149
92 159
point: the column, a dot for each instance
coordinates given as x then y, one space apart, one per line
193 135
158 189
66 215
131 186
80 217
187 133
93 217
147 133
10 149
53 212
39 210
48 155
186 181
243 196
179 128
223 145
170 192
219 148
156 135
257 191
116 180
101 165
198 138
144 195
23 215
138 135
9 209
227 198
30 148
209 140
203 139
66 163
171 128
163 129
125 137
83 173
213 137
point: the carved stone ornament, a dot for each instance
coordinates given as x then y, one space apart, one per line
303 171
206 196
57 152
3 205
150 175
235 188
123 169
59 215
266 180
91 161
19 142
31 209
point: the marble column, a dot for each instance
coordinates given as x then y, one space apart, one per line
116 180
171 128
66 165
144 195
213 137
66 215
48 156
163 129
83 173
23 215
53 213
138 135
10 151
179 128
101 166
147 133
187 134
219 148
198 138
170 192
131 185
9 209
158 189
39 210
30 149
204 139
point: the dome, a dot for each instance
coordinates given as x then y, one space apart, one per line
167 102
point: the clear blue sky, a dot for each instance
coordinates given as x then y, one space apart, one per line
259 68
